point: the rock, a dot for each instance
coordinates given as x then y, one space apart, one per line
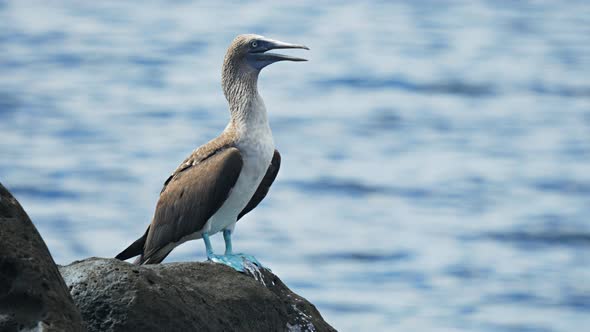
112 295
33 296
117 296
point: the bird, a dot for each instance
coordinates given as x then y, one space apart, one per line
224 179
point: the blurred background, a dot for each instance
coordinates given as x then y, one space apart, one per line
436 155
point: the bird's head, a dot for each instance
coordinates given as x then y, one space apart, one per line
245 57
251 50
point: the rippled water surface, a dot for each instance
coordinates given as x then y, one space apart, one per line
436 155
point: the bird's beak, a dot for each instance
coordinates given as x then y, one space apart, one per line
270 44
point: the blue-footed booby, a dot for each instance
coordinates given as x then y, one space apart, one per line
227 177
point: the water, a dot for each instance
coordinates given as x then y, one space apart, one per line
435 172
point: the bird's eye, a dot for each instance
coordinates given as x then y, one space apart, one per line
254 44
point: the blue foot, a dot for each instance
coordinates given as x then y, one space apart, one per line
239 262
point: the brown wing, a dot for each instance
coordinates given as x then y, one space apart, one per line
189 199
269 178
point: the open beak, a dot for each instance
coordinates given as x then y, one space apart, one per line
260 54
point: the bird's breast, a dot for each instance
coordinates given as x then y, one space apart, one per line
257 150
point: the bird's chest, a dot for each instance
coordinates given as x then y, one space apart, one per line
257 151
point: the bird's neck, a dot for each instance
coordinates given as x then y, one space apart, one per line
245 104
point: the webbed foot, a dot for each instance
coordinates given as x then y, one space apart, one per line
239 262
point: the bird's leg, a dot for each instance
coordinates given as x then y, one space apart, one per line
236 259
227 239
239 262
208 246
233 261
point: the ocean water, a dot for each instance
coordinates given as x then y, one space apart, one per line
435 155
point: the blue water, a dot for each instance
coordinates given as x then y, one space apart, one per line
436 155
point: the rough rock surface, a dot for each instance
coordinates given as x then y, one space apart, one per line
117 296
33 296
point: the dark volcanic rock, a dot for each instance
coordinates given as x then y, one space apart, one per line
117 296
33 295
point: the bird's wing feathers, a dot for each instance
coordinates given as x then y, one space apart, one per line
194 192
269 177
196 157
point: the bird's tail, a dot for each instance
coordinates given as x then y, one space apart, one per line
153 256
135 249
138 249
